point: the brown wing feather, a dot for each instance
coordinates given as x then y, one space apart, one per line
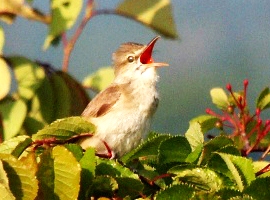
103 102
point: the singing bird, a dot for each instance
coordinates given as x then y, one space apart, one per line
123 111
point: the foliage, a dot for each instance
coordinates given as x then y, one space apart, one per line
248 130
162 167
39 156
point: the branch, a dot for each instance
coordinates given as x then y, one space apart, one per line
89 13
69 45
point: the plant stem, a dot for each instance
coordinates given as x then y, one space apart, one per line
69 44
89 13
265 153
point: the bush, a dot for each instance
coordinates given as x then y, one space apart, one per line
39 157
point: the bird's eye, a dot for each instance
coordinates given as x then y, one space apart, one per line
131 59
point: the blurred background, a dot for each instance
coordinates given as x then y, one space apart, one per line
220 42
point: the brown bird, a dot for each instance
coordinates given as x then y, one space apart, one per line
123 111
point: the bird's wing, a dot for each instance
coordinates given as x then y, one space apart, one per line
103 102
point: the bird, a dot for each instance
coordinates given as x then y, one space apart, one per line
123 111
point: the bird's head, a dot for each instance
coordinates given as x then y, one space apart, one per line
134 61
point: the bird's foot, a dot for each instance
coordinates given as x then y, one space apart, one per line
110 154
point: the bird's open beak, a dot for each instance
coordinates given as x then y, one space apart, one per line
146 56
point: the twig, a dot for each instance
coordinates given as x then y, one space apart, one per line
89 13
265 153
69 45
263 170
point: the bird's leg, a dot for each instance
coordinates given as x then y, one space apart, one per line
110 154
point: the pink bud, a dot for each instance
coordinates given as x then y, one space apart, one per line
258 112
208 111
229 87
246 82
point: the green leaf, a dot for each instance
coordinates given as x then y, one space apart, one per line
195 155
100 79
64 15
156 14
242 197
215 145
23 182
241 169
78 95
151 174
147 148
220 98
129 187
263 101
59 96
62 97
202 178
259 165
180 191
5 78
227 193
88 165
88 162
66 174
103 186
9 9
175 149
6 193
3 177
229 170
23 145
259 188
129 183
13 114
65 128
58 174
194 135
207 122
113 168
70 98
13 145
45 175
28 74
245 168
42 109
42 106
75 149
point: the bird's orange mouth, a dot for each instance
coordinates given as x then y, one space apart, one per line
146 56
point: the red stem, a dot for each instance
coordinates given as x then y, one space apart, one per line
263 170
160 177
68 48
69 45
